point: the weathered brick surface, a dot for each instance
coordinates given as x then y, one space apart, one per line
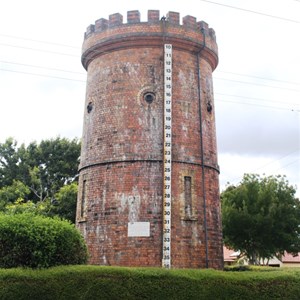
121 168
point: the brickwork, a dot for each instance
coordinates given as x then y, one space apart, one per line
121 168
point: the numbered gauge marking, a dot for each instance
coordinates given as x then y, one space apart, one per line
167 196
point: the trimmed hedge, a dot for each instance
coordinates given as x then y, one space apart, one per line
94 282
35 241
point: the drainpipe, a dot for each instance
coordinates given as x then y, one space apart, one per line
202 148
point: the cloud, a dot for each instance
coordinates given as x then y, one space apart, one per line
244 129
234 166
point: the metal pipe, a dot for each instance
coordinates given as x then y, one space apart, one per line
202 149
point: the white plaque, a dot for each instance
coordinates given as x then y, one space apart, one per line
139 229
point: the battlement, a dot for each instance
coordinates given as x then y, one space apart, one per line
134 17
113 34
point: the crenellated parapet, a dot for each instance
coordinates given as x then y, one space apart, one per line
113 34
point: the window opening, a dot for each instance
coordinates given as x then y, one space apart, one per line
83 200
89 107
188 196
149 97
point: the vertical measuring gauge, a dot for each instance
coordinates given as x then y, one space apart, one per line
166 259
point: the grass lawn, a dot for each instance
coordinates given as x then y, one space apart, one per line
95 282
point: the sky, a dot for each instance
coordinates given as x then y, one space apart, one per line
256 84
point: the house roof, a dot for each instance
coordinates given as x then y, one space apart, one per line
287 257
230 255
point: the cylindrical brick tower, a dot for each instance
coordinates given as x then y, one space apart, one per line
120 207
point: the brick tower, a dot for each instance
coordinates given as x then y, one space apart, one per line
121 207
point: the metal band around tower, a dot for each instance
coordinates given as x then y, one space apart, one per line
167 164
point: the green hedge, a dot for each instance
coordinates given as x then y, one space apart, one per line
92 282
34 241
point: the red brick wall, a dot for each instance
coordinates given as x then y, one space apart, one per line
121 177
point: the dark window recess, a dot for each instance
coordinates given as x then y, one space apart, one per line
149 97
83 199
89 107
209 107
188 196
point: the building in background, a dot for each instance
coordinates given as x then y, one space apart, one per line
232 257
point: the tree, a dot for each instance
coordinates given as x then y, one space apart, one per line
59 159
8 162
66 199
18 191
261 217
42 168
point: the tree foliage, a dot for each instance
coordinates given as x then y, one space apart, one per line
9 160
261 217
37 173
15 192
66 200
63 205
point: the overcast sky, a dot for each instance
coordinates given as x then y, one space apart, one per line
256 84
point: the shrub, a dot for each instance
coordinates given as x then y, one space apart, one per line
236 268
28 240
94 282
